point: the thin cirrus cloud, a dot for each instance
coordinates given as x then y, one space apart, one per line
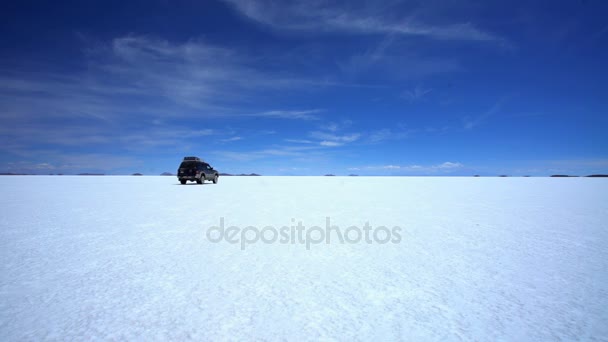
416 94
445 167
135 78
193 73
330 139
231 139
391 62
130 75
471 122
198 75
311 114
387 134
332 134
299 141
20 141
83 162
265 153
351 17
330 143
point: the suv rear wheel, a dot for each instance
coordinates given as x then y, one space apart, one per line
201 180
183 181
215 179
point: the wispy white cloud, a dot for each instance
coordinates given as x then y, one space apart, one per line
310 114
352 17
335 126
449 165
19 138
299 141
387 134
332 127
192 73
330 143
394 61
472 122
151 78
445 167
391 167
332 134
59 162
415 95
236 138
137 78
332 139
265 153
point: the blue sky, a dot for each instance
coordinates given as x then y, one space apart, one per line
305 88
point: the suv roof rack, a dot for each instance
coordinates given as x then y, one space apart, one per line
192 159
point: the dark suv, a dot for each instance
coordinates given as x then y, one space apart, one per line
195 170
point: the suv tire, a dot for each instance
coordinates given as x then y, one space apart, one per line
183 182
215 179
201 180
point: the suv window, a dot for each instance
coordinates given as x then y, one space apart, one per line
187 165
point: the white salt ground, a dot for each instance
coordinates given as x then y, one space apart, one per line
479 259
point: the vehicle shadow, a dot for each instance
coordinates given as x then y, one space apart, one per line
209 183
